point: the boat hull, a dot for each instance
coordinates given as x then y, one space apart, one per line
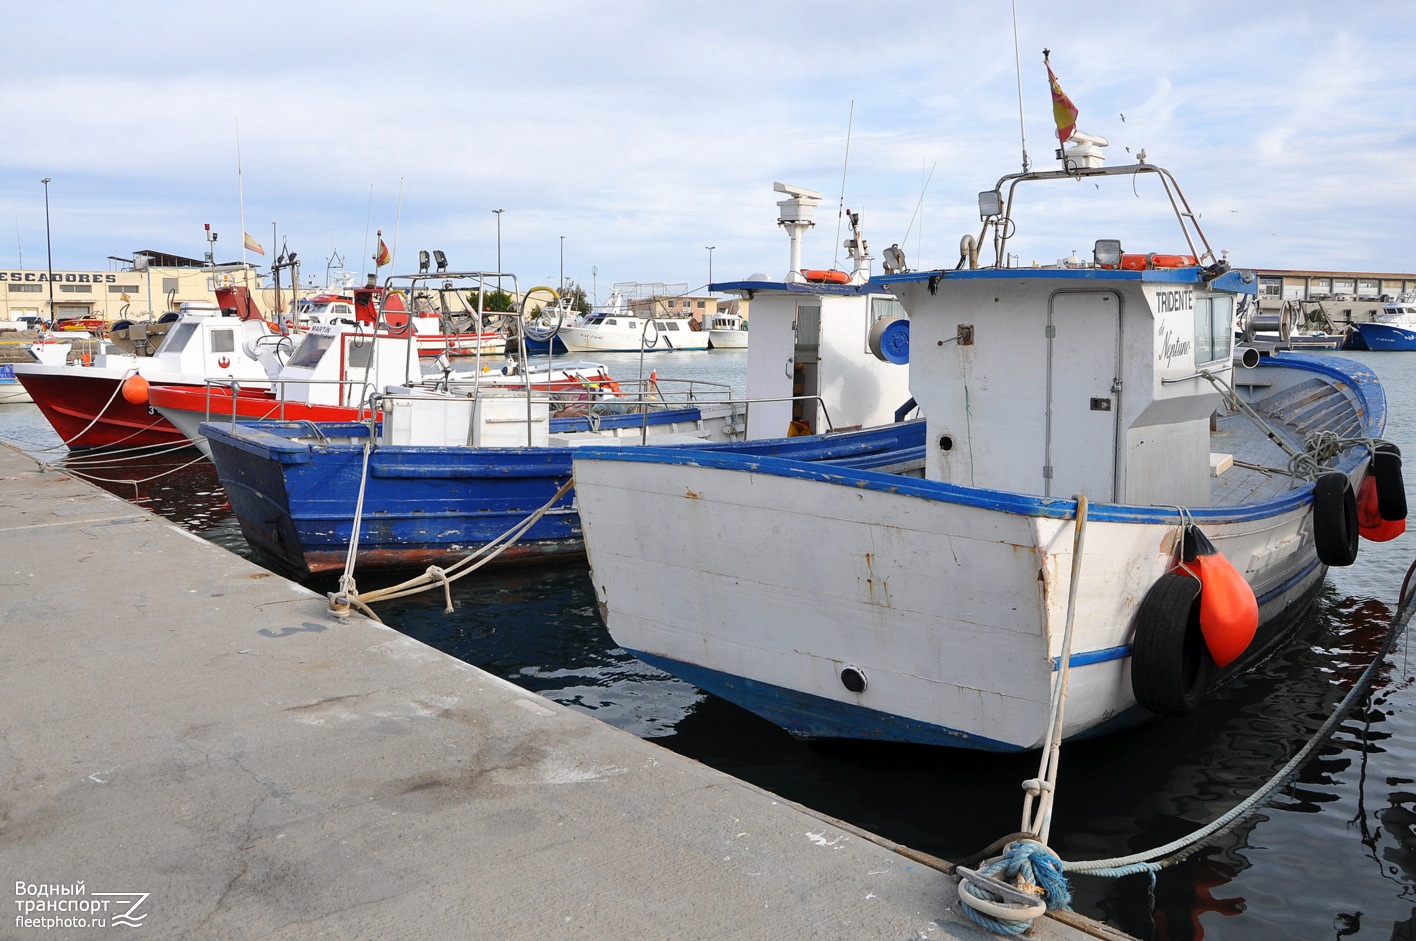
86 407
1381 336
590 340
295 500
727 339
845 566
855 604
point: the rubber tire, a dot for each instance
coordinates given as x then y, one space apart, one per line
1391 489
1335 520
1171 668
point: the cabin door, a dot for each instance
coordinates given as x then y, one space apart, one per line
1083 395
806 365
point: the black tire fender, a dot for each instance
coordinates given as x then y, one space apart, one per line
1171 668
1335 519
1391 489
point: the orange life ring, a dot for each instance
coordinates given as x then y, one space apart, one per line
1139 262
825 276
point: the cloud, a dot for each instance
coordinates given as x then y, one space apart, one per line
643 132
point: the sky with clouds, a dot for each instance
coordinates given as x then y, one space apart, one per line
623 138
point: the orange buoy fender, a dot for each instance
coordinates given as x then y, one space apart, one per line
1229 612
1370 524
135 390
825 276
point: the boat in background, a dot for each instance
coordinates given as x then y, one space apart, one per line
1078 516
621 327
1391 328
727 331
104 403
11 392
448 471
338 372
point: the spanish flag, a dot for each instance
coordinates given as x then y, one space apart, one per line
1063 111
252 245
381 256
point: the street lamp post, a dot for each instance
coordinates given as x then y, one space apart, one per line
710 266
562 274
49 249
498 212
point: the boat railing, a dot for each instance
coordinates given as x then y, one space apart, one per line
277 411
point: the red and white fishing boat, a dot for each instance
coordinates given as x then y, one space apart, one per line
429 315
104 403
338 369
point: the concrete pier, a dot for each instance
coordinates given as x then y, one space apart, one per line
182 726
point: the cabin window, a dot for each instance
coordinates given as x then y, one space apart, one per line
611 322
177 338
360 353
1214 329
669 325
308 353
223 341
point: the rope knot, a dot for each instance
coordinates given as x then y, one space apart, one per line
1008 893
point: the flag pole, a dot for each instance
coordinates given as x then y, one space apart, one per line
241 200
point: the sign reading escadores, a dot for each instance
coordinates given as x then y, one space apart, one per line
68 277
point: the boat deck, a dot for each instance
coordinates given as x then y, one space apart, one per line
1294 410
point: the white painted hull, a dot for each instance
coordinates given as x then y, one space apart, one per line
953 610
598 340
728 339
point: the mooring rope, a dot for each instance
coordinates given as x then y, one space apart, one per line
436 576
1008 894
1177 850
1030 865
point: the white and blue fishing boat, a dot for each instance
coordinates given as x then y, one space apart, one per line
1391 328
440 474
1108 485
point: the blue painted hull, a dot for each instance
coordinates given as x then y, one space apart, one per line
295 499
1381 336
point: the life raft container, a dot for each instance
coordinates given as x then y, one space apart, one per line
825 276
1148 262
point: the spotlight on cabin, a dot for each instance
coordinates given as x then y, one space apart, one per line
423 262
990 204
1107 253
441 259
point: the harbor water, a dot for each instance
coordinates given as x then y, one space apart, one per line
1333 854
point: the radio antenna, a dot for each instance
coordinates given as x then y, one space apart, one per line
841 206
1018 63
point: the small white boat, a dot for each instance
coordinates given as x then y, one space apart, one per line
620 328
728 331
1072 476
